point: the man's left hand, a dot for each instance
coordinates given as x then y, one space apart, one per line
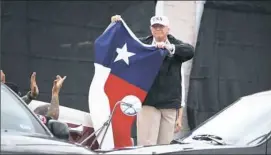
178 124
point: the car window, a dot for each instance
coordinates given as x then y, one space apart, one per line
16 117
245 121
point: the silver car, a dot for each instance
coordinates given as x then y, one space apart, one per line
244 127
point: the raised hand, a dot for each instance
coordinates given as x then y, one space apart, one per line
115 18
33 86
58 84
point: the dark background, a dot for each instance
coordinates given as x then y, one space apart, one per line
232 57
51 37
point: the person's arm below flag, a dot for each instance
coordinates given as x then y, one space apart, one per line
52 110
34 90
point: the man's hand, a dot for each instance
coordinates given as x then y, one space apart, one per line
178 124
3 77
161 45
169 47
33 86
57 84
115 18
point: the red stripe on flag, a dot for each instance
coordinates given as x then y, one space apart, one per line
116 89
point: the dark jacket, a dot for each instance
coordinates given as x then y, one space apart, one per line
166 90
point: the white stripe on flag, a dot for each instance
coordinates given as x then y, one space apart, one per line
99 106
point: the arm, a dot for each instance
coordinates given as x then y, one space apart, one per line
184 51
180 113
33 94
52 110
181 51
27 98
178 124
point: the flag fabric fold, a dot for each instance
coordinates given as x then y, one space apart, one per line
123 66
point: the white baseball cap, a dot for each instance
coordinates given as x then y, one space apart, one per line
162 20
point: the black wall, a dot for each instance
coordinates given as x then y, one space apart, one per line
51 37
232 57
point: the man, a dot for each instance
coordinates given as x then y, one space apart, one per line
44 112
161 113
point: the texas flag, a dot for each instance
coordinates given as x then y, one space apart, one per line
123 66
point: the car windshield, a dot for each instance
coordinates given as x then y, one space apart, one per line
245 122
16 117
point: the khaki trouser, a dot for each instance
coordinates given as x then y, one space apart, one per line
155 126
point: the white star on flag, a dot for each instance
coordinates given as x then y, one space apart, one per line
123 54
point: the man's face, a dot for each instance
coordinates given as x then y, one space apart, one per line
159 31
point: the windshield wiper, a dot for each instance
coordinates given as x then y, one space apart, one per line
177 142
207 137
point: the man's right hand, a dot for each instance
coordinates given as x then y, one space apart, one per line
115 18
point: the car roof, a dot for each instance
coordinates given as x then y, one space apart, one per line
262 94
